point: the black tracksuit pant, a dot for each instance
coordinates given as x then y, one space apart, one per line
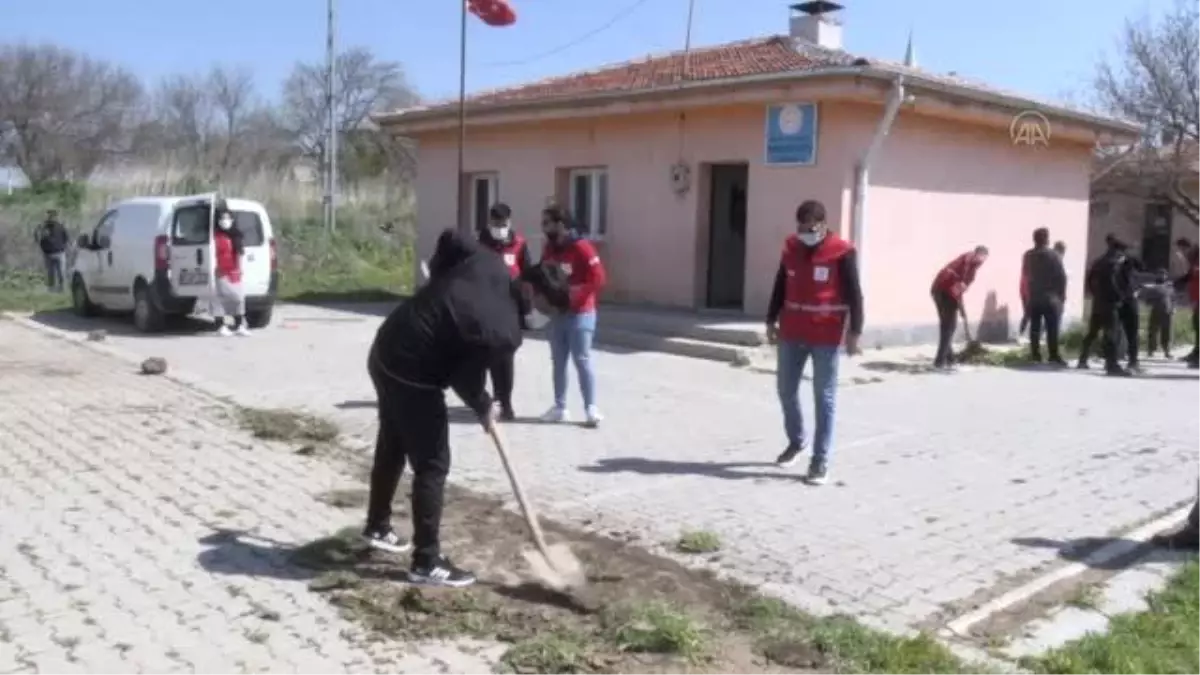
1127 315
503 372
413 430
1103 319
1158 332
1045 314
947 310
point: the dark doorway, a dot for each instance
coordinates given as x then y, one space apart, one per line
1156 237
727 235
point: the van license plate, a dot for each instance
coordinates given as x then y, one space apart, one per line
197 277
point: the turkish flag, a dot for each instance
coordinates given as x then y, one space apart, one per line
493 12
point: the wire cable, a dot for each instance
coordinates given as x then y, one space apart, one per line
616 18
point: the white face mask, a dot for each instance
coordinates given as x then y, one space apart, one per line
812 238
499 232
225 223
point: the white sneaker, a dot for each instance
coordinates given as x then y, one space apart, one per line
224 331
593 416
243 331
556 415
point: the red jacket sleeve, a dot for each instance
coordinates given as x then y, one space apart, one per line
592 275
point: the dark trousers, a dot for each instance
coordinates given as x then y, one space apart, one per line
1195 333
1127 315
1103 319
1045 314
947 311
413 430
1024 318
1159 331
503 373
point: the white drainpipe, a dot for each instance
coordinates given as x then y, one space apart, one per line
858 208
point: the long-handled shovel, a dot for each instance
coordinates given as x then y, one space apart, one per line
974 347
556 566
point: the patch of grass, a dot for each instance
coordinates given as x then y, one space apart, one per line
1086 596
657 628
23 291
794 639
558 652
1162 639
287 425
701 541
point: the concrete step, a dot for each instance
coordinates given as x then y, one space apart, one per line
687 326
669 344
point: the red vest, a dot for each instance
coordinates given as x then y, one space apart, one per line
226 258
814 311
511 253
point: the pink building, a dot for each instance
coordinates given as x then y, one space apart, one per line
687 170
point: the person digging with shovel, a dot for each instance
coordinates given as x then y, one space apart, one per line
457 324
948 288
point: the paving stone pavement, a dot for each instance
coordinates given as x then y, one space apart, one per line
945 490
121 500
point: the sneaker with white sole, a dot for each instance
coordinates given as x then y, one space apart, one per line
224 331
386 540
789 454
440 572
593 416
242 331
818 472
556 414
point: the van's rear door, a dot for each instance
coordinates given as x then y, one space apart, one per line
251 220
192 263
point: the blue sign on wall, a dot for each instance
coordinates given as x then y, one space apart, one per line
791 134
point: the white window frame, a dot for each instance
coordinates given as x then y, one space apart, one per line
493 181
599 228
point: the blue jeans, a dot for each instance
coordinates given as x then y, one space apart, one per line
56 267
571 336
793 357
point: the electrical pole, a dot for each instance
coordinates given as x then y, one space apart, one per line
462 119
331 144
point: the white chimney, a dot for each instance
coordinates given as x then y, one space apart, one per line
811 24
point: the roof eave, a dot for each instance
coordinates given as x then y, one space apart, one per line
1116 130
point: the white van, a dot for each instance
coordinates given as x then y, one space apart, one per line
153 256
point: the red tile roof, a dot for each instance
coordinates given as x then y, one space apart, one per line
760 56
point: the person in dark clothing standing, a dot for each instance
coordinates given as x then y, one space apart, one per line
948 288
1046 286
1160 298
446 335
816 307
499 236
1186 538
52 237
1128 313
1190 281
1103 283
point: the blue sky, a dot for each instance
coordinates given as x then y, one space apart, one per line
1046 51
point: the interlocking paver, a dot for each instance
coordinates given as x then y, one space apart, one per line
111 486
936 479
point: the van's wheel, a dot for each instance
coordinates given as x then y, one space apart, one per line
80 302
147 317
259 318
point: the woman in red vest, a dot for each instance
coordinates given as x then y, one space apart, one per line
1190 281
571 332
815 304
500 237
949 286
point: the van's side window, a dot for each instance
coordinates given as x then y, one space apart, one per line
192 225
102 235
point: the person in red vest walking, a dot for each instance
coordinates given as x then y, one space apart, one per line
949 286
571 331
816 306
1190 281
500 237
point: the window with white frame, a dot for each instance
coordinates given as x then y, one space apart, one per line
588 197
484 191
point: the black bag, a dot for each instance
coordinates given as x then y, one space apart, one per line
551 286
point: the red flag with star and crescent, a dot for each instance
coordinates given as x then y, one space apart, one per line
493 12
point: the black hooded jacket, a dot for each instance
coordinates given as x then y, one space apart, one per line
454 326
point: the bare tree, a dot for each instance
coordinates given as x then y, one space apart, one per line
62 113
1154 81
232 95
184 112
363 85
